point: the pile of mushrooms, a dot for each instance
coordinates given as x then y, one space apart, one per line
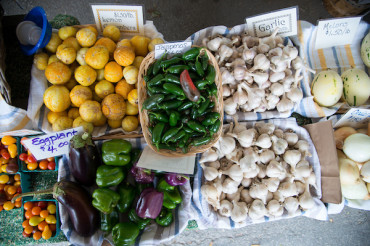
257 172
258 74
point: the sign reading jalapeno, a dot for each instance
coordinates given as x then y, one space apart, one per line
182 113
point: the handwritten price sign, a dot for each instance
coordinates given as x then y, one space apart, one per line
335 32
50 145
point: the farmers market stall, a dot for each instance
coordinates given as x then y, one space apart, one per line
119 111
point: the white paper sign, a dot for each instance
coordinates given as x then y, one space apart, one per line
171 48
128 18
263 25
50 145
23 132
355 117
151 160
335 32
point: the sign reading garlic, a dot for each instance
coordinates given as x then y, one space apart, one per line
263 25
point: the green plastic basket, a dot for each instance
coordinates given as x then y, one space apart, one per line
29 199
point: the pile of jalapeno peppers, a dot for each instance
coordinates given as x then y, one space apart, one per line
125 188
180 102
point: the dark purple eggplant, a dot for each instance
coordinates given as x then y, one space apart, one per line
84 217
84 159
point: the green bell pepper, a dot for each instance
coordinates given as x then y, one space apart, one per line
107 221
140 222
116 152
125 233
164 218
109 176
127 194
105 200
172 195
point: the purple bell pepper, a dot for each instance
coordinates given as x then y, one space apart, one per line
149 204
175 179
142 175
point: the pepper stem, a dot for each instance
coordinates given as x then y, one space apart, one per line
33 193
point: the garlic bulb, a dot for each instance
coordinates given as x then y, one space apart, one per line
260 62
210 173
235 196
291 205
262 172
288 188
275 209
305 200
226 91
263 141
266 156
244 195
225 145
214 164
257 210
277 89
208 155
209 193
258 191
271 183
230 106
225 208
229 186
291 138
246 182
285 105
302 170
292 157
246 137
263 127
214 44
278 145
235 173
275 170
225 52
304 147
239 212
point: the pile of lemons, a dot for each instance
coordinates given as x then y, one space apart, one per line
93 80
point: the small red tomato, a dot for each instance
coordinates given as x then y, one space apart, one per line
23 157
19 190
42 205
25 234
31 159
5 154
51 165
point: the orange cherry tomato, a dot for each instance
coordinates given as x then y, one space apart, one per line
25 223
28 229
12 190
25 234
32 166
50 159
44 214
36 210
28 214
28 206
17 177
37 235
18 204
43 164
42 225
8 205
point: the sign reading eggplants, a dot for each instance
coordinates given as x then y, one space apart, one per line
50 145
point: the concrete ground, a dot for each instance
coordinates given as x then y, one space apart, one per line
176 20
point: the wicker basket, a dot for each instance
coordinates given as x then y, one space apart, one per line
144 119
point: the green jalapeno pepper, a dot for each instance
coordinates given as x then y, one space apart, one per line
211 105
196 126
201 84
150 102
201 140
174 89
169 97
170 133
210 118
165 217
185 105
213 89
214 128
177 69
199 68
167 63
191 54
205 60
170 104
192 66
157 64
165 146
208 110
157 80
194 76
171 78
174 117
149 72
187 129
157 90
194 113
157 133
178 136
147 78
160 116
203 106
211 74
183 141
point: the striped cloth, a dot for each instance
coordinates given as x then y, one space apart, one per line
359 204
206 217
152 235
339 59
197 39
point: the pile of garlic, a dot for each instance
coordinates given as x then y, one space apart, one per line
258 172
258 74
